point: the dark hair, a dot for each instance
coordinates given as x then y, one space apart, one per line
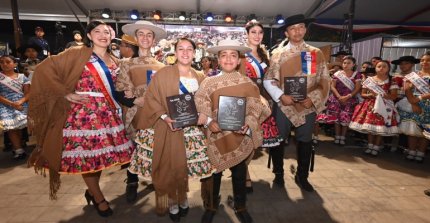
185 39
134 48
93 24
351 58
208 58
15 60
366 62
427 53
262 53
377 58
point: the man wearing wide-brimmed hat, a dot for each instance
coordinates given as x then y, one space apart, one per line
298 59
229 149
128 46
77 39
134 76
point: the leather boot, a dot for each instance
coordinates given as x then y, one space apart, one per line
277 155
211 207
131 188
304 153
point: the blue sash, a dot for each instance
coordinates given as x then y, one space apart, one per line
259 71
182 88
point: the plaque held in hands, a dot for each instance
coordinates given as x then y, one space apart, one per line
183 110
231 113
296 87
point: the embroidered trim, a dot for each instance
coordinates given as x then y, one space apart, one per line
99 152
98 132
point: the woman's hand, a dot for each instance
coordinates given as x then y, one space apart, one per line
307 103
169 122
77 98
139 101
17 106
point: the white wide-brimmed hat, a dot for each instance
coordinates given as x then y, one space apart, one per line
229 44
130 29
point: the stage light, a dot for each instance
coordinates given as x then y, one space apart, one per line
209 17
228 17
134 14
182 16
279 19
106 13
157 15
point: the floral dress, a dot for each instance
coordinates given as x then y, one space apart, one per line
11 118
337 112
93 135
411 123
198 163
365 120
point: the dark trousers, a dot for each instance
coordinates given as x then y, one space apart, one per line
238 174
303 136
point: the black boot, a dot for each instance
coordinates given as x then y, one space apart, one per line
277 155
211 201
304 153
239 193
131 188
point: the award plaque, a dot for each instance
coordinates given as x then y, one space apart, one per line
183 110
231 113
296 87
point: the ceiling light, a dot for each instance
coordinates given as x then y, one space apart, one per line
279 19
228 17
157 15
106 13
209 17
182 16
134 14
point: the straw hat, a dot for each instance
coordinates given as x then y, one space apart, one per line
129 39
130 29
229 44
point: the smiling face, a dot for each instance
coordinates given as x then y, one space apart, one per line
296 33
100 36
228 60
255 35
184 52
145 38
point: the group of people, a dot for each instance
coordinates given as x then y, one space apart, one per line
379 104
90 111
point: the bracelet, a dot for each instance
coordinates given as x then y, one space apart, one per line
164 116
420 97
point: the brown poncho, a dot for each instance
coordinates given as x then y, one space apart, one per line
169 164
53 79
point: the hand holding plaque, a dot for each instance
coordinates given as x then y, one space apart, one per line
296 87
231 113
183 110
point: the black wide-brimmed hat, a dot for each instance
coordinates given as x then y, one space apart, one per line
411 59
296 19
341 53
23 48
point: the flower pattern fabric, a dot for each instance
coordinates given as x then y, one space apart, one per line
93 135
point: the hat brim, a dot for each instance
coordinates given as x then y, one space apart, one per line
397 62
217 49
306 21
130 29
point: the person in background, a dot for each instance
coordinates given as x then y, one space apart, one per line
128 47
298 58
406 65
14 89
376 115
375 60
206 63
416 116
29 59
229 149
134 77
41 42
345 85
76 119
77 39
254 65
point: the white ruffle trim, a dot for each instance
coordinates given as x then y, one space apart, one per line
374 129
19 122
410 128
99 152
98 132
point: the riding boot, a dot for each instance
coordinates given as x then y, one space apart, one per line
304 154
210 195
277 155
